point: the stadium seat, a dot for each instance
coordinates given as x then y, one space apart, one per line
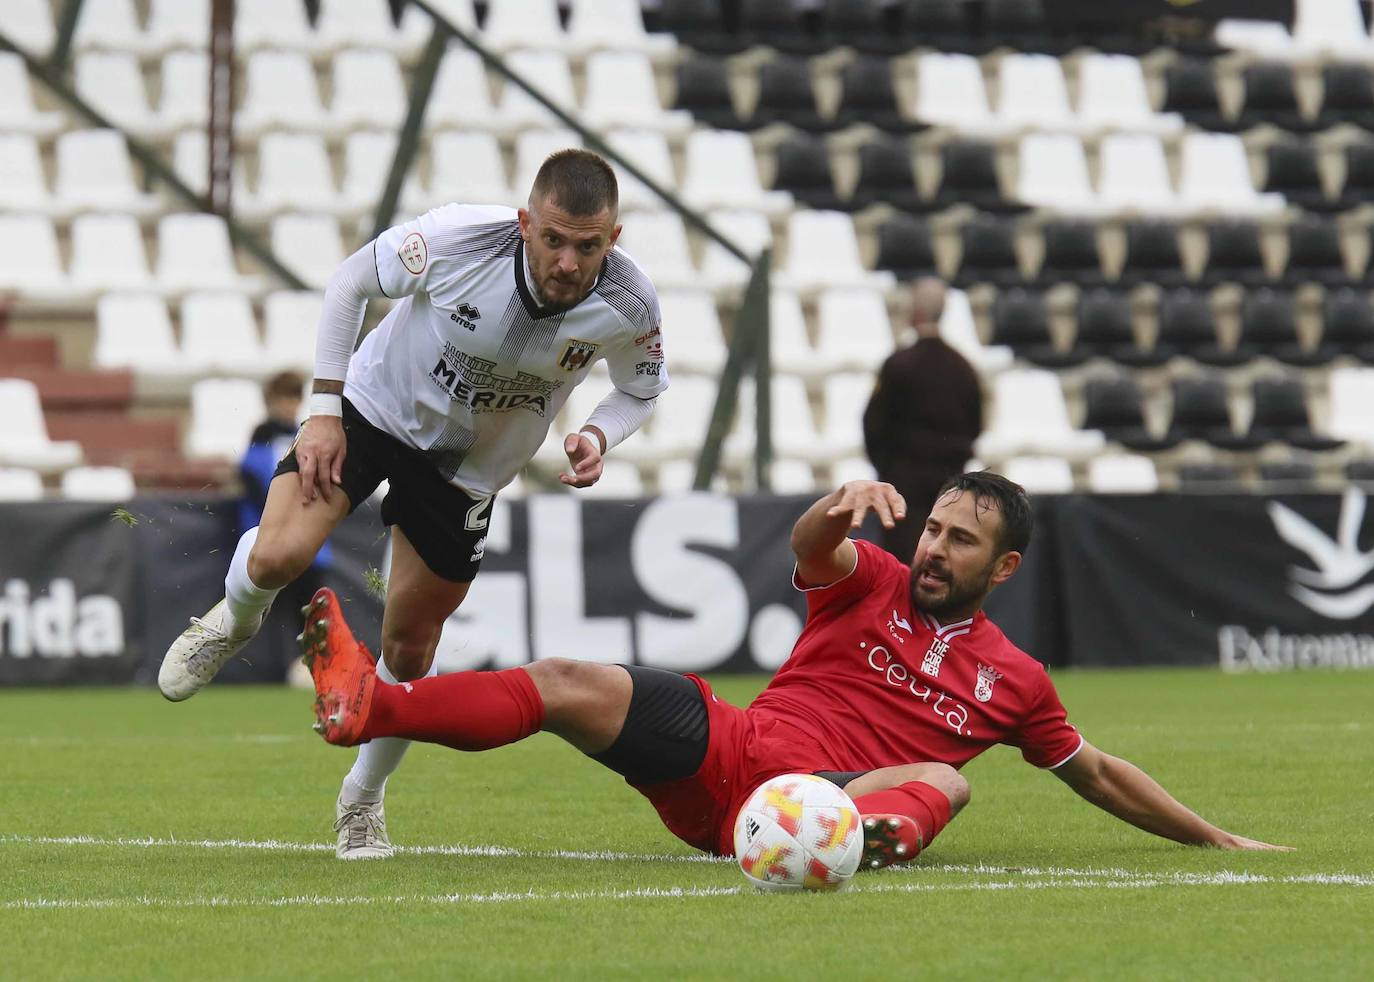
616 25
1134 176
988 252
134 331
110 25
700 26
219 335
721 172
1040 475
24 437
959 331
1233 254
460 96
1152 255
703 89
17 111
290 319
1114 405
549 73
1122 474
309 245
950 92
868 95
694 335
1357 185
273 24
1020 321
1053 174
682 414
1287 472
786 95
794 433
194 254
466 166
98 484
1215 177
619 479
1348 323
30 265
108 254
1188 327
1190 90
294 173
1201 411
750 231
280 93
1352 393
20 484
846 398
822 251
1268 326
1105 330
621 92
532 147
525 24
185 92
1314 253
658 242
803 171
789 346
368 24
855 331
790 476
1019 23
1291 170
1030 417
648 151
1271 97
1209 478
942 24
1071 255
1334 28
1112 96
1281 415
22 184
852 468
905 248
968 175
885 176
1259 38
191 163
1347 96
367 163
223 414
112 82
1033 95
29 24
462 14
177 24
368 91
94 173
779 24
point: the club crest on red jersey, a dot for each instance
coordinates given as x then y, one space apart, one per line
987 675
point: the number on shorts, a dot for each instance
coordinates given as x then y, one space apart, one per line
479 514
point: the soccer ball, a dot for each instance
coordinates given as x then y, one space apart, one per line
798 832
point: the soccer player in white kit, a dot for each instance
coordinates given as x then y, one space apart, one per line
501 314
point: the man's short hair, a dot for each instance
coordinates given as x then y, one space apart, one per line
578 181
284 385
1009 498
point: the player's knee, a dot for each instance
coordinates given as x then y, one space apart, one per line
408 655
566 684
273 563
953 784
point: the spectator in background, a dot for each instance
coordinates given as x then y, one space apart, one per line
271 439
925 413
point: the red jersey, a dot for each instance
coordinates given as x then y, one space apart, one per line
875 682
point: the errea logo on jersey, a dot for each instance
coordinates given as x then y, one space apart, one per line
467 315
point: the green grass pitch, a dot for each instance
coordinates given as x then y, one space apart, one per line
143 840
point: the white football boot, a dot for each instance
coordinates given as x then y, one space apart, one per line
362 830
201 650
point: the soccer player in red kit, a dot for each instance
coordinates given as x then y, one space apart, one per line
898 679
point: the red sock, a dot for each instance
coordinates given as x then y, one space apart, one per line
465 711
924 804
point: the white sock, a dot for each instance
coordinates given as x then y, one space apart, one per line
245 601
379 758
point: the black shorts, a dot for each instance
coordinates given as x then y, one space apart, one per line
447 527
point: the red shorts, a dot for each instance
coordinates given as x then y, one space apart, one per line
741 754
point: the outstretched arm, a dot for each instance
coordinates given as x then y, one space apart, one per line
1120 788
820 539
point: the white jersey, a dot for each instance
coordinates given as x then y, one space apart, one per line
467 367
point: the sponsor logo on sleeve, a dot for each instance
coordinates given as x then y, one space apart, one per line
577 355
656 332
414 254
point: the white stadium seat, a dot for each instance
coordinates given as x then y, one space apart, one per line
273 24
185 92
367 24
1215 178
98 484
546 71
692 334
20 484
293 174
1032 95
527 24
24 437
1334 28
17 111
621 92
465 166
855 329
291 319
29 24
619 479
30 264
1352 395
1030 417
368 91
220 336
531 148
1134 176
1263 38
823 251
1112 96
223 414
22 184
722 172
950 92
648 151
794 432
788 343
617 25
178 24
846 397
461 95
1040 475
681 416
108 254
367 164
460 13
194 254
791 477
94 173
658 242
958 330
112 82
109 24
750 231
1053 174
191 162
852 469
281 93
1122 474
134 331
309 245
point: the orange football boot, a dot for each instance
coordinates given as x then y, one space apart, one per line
345 672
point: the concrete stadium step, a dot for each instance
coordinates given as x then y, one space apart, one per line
68 389
114 435
26 350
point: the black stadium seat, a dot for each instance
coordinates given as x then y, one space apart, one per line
968 176
700 26
1018 24
1105 330
1357 186
1291 471
1347 96
1291 170
703 89
1152 255
870 27
786 95
804 170
1233 254
1188 327
1202 412
886 176
1281 415
1314 253
939 24
1190 89
905 248
1271 97
1071 255
1269 327
1114 405
869 96
1348 323
989 252
1021 322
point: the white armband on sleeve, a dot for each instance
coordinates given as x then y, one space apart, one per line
620 414
345 299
